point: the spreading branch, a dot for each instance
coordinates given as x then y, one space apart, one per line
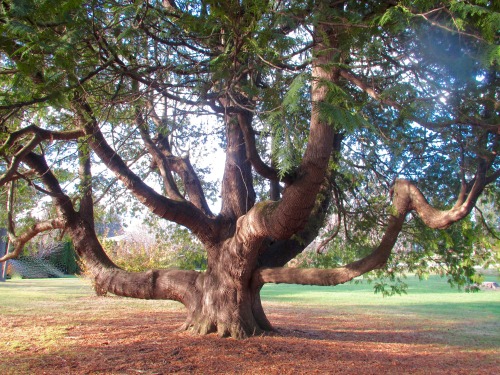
245 120
181 166
374 92
406 198
38 135
20 241
159 159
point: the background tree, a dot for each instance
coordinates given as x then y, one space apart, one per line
320 106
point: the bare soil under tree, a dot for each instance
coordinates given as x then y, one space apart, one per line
101 335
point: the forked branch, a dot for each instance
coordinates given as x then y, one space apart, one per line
180 165
159 159
244 120
181 212
18 152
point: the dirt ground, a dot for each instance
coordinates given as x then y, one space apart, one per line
307 341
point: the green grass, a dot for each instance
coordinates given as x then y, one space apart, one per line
432 297
470 318
36 296
61 295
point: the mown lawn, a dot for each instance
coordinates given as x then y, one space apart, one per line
473 318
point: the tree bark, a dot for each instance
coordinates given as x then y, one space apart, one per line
228 303
238 195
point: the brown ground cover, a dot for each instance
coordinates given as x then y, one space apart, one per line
100 336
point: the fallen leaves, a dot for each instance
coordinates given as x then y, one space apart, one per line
142 342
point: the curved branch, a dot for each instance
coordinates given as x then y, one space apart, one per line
177 285
244 119
374 93
39 135
40 166
43 135
160 284
282 219
406 197
20 241
183 167
281 252
433 217
159 159
335 276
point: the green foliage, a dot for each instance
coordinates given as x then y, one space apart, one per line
397 17
480 13
390 288
190 259
136 258
312 259
288 124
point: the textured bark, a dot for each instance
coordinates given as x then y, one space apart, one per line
181 212
228 303
270 173
221 300
159 159
175 285
180 165
238 195
37 136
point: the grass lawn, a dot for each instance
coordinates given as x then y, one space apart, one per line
60 326
472 318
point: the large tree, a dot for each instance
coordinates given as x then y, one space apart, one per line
356 109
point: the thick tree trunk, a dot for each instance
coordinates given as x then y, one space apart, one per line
228 307
227 303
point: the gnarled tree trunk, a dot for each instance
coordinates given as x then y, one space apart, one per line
222 299
226 302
